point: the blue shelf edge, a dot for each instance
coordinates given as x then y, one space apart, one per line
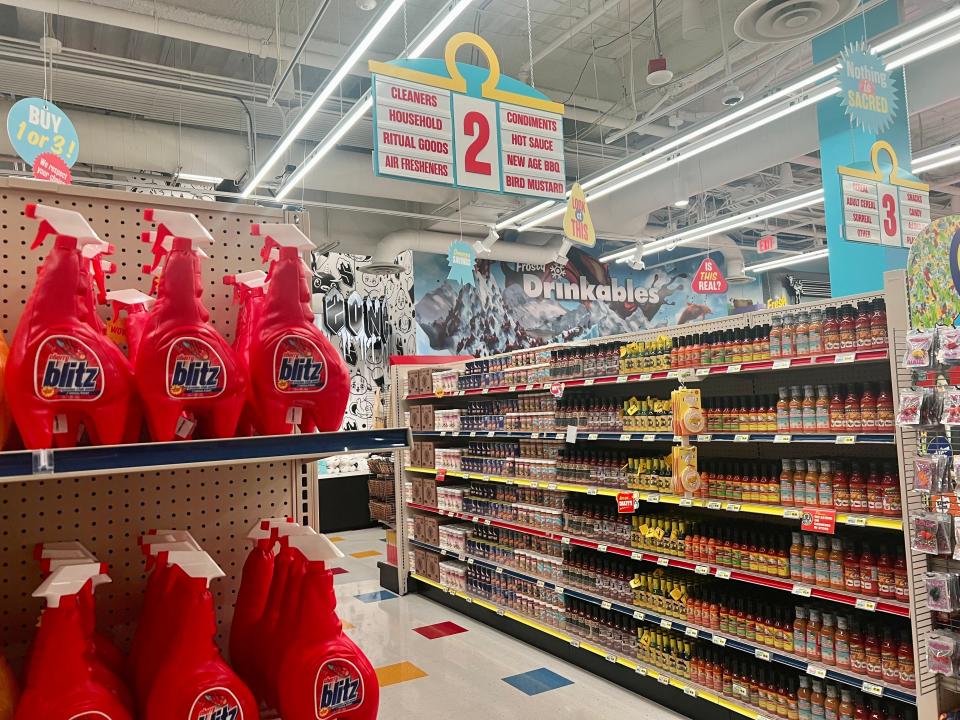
99 460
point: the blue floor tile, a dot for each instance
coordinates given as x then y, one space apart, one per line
372 597
537 681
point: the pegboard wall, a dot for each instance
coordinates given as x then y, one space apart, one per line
117 217
107 513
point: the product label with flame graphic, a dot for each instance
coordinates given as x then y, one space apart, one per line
65 368
194 370
298 365
216 704
338 689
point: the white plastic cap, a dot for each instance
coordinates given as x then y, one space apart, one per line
168 536
67 580
283 234
51 564
195 563
61 549
131 296
315 547
179 224
64 222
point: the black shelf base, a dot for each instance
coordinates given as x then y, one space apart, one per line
648 688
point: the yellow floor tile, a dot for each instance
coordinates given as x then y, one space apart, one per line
336 538
398 673
365 554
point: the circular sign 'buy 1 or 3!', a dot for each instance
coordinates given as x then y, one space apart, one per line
36 126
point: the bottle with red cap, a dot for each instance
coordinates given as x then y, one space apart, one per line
63 377
297 378
191 381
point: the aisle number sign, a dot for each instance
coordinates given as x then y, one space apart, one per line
36 126
881 204
445 122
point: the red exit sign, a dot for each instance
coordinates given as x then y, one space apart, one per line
767 243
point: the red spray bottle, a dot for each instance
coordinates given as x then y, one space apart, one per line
130 329
151 635
248 293
60 683
192 680
188 376
62 371
298 379
265 648
252 596
57 554
323 674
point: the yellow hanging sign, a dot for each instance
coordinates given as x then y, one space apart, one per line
577 223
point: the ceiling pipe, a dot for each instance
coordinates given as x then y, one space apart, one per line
579 26
301 48
164 20
396 243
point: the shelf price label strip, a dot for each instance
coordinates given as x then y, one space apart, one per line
710 504
691 566
828 438
701 371
681 626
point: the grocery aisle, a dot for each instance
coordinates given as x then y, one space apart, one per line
467 669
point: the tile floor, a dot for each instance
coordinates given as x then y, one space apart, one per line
435 663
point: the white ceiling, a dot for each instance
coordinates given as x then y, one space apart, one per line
211 54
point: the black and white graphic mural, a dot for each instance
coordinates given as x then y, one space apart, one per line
368 318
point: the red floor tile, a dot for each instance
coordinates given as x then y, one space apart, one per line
432 632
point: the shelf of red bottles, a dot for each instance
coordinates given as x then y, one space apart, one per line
844 358
800 589
870 685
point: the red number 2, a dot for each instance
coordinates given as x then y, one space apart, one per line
890 218
476 123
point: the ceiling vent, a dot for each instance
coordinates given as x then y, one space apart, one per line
772 21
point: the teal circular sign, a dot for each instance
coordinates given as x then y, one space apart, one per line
36 126
867 90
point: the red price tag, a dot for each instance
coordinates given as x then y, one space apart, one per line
441 475
819 520
626 503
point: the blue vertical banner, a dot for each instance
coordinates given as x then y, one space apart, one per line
871 108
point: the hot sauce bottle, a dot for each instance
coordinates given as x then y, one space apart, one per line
831 331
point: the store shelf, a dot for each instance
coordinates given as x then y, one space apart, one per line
761 652
861 602
779 364
665 678
781 511
19 465
776 438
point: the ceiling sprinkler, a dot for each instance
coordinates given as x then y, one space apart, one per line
732 95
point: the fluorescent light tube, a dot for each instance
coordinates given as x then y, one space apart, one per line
924 50
698 232
190 177
330 84
680 156
327 144
917 30
365 101
790 260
